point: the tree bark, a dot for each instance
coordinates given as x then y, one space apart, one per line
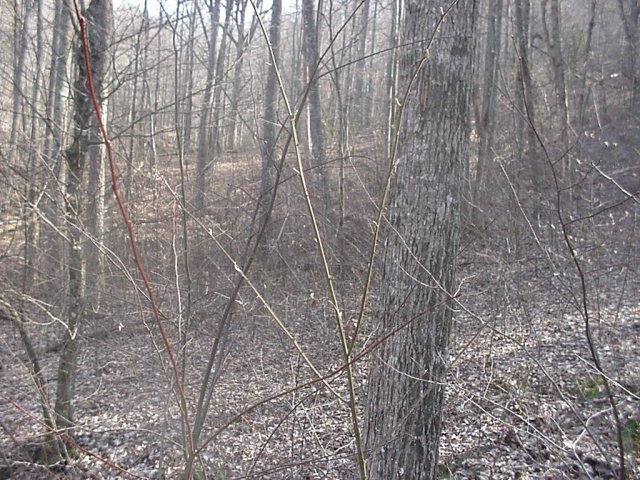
316 128
406 383
554 40
204 147
99 19
486 123
525 101
390 106
269 130
629 14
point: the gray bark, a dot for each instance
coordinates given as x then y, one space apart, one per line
407 377
392 74
59 58
316 128
204 146
554 39
218 101
269 130
188 80
241 11
486 122
21 49
525 101
361 94
584 91
99 20
629 14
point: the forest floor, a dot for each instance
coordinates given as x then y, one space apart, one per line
523 398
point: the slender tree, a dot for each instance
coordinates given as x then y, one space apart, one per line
554 40
204 147
391 87
315 126
525 100
630 14
99 21
487 120
406 383
269 125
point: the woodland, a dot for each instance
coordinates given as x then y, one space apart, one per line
320 239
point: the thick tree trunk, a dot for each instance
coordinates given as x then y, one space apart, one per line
407 377
99 18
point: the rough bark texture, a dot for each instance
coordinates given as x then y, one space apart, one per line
99 18
406 379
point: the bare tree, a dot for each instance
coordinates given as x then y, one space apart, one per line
315 126
203 161
99 21
407 378
269 127
554 40
525 99
630 14
487 122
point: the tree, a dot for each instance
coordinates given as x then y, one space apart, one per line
269 125
204 147
630 14
486 122
554 40
315 126
407 377
99 20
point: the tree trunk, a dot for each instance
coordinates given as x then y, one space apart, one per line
188 80
99 19
554 40
21 50
316 128
218 102
582 85
241 12
360 71
525 101
53 139
629 13
204 147
390 105
486 123
406 383
269 130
